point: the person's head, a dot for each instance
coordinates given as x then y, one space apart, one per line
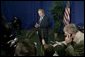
48 50
16 23
41 12
25 48
70 29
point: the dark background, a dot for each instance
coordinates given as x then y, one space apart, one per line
26 11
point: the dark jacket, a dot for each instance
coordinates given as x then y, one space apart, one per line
43 29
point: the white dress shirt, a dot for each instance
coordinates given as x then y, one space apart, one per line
41 18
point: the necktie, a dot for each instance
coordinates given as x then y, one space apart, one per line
40 19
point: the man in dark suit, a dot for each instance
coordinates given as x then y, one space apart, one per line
43 26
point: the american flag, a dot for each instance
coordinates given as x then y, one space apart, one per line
66 19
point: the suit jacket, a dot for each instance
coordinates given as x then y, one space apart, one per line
43 29
44 23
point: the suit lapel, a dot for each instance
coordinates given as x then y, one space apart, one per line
42 20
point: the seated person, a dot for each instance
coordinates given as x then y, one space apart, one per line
73 44
25 48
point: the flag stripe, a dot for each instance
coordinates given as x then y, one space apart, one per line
66 19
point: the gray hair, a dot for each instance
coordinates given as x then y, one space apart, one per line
71 28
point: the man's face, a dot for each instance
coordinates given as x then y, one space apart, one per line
40 13
71 35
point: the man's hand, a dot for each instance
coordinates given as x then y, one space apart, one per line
43 42
37 25
68 39
12 42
